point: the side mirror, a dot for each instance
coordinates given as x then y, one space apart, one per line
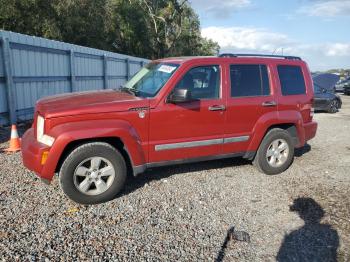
180 96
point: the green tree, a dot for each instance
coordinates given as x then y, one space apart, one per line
146 28
33 17
129 31
82 22
190 42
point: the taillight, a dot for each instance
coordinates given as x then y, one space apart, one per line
312 112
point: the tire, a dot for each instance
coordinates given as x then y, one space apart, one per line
339 104
333 106
93 173
261 160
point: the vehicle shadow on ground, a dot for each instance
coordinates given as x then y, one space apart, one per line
312 242
299 152
155 174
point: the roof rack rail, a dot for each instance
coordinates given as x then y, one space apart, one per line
259 55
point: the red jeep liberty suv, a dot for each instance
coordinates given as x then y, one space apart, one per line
174 110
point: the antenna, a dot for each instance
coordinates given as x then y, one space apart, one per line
274 51
277 48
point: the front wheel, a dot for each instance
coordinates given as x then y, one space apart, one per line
93 173
276 152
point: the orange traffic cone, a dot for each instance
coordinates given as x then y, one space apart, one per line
15 142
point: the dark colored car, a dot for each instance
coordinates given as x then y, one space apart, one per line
325 97
326 100
342 85
346 88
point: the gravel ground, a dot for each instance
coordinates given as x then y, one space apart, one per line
185 212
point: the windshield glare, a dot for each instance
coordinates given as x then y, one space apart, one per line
151 78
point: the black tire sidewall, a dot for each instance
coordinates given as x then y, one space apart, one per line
272 135
84 152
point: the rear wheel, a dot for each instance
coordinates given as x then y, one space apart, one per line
276 152
93 173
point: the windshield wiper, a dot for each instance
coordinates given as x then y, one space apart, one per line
128 90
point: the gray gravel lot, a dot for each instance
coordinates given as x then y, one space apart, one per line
184 212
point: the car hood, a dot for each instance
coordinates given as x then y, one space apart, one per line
326 80
88 103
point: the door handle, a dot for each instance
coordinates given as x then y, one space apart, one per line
217 108
269 103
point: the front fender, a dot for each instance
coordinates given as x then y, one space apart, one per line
92 129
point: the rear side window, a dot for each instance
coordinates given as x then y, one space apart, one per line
291 79
249 80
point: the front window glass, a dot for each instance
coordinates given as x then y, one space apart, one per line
150 79
203 82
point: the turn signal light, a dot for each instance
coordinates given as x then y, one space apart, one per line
44 157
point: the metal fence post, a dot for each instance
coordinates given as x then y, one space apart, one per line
105 73
127 63
11 102
72 71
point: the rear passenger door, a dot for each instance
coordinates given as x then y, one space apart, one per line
249 97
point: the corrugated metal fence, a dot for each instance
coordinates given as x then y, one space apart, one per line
34 67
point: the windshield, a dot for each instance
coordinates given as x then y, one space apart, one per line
317 88
150 79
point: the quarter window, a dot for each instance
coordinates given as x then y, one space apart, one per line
291 79
249 80
203 82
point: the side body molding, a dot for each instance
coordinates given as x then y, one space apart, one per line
92 129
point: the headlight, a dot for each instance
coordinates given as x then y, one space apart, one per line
40 136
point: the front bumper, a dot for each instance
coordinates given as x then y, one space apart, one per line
32 152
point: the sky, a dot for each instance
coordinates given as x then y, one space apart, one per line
316 30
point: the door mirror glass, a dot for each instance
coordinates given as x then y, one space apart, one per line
180 95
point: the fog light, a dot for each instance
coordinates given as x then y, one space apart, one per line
44 157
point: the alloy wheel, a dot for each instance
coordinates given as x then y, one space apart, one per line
277 153
94 176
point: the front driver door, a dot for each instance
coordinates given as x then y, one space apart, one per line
190 129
